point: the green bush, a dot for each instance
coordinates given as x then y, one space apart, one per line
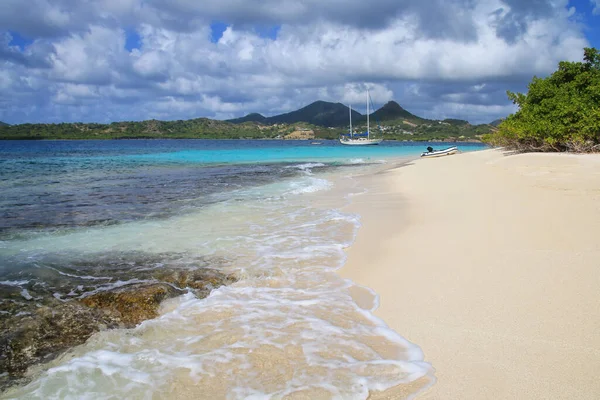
558 113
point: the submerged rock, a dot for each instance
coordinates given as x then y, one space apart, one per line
201 281
37 328
132 304
44 333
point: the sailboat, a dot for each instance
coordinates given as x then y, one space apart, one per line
359 139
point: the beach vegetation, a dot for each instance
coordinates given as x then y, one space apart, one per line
558 113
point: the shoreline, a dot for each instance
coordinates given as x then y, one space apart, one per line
285 256
37 139
489 264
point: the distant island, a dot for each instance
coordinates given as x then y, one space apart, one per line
318 120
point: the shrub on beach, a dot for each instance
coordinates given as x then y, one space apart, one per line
559 113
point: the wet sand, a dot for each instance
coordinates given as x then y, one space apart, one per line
491 263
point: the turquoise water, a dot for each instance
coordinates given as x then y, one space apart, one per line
50 184
206 151
289 151
82 217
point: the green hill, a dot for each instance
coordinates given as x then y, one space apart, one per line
193 128
254 117
198 128
391 111
457 122
3 123
321 113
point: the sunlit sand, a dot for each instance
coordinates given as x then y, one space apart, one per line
489 262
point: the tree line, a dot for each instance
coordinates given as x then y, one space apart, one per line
558 113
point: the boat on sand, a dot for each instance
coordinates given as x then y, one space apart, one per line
430 153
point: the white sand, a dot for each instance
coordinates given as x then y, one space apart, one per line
491 263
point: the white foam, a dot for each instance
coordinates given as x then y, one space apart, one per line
310 185
14 283
115 285
26 294
22 313
307 166
86 277
354 161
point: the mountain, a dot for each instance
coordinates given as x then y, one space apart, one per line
323 113
320 113
391 111
3 124
496 122
254 117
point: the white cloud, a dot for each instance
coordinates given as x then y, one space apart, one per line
93 57
483 113
596 4
78 68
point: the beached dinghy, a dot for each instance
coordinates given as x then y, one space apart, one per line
438 153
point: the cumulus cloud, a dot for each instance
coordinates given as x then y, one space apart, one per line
596 4
435 57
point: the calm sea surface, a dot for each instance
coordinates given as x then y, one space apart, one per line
82 217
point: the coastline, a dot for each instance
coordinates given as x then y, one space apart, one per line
287 326
33 138
488 262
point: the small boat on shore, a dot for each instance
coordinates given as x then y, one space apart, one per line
430 153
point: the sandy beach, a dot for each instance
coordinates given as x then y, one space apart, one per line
491 264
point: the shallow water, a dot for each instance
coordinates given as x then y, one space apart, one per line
84 217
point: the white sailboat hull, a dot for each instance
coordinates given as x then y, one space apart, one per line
440 153
360 141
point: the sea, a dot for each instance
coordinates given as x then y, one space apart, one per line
84 217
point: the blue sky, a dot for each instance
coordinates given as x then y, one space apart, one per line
110 60
590 20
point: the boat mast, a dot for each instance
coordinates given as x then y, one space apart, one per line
368 133
350 110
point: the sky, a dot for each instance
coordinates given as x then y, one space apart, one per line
124 60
